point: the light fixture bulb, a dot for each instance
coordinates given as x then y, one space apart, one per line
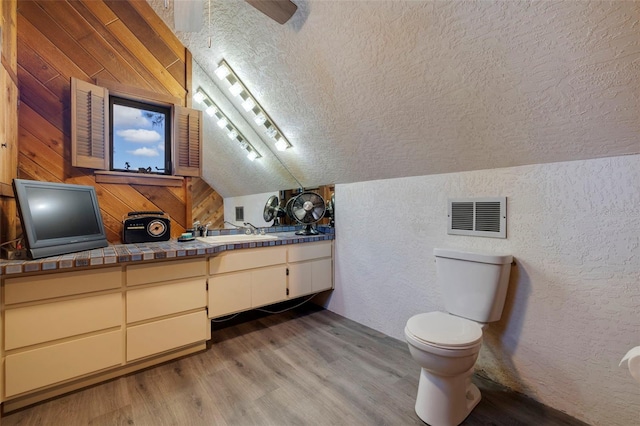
199 97
248 104
260 119
235 89
232 134
244 145
281 145
211 111
222 71
271 132
222 123
252 155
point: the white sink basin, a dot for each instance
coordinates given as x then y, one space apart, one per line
238 238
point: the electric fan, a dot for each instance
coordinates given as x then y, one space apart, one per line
307 208
272 210
331 210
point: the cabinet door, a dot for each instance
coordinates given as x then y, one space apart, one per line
229 293
321 275
268 285
299 279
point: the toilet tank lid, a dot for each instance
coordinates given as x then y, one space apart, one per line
497 259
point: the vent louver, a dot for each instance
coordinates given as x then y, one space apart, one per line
239 213
483 217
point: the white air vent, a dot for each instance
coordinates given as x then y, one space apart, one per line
481 217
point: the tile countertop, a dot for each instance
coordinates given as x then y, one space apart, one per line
172 249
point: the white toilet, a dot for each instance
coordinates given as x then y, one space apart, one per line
446 345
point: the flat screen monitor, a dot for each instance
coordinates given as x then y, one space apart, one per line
58 218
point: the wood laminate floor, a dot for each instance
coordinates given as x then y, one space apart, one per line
302 367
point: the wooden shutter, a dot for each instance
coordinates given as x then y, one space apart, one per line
89 125
187 149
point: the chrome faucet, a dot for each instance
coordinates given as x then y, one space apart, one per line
233 224
255 230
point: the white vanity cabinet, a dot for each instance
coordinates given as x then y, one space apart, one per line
65 330
60 327
61 331
310 268
250 278
245 279
165 307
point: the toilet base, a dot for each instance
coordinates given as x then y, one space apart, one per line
446 401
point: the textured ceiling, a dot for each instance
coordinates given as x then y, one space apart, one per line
381 89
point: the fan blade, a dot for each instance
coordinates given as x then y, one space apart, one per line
278 10
318 213
300 213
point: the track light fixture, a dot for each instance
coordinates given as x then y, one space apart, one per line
212 110
251 105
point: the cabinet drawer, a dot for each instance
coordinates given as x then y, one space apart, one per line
27 289
33 369
229 293
42 323
247 259
152 302
159 336
308 251
166 271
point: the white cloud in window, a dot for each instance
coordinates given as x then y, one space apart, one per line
144 152
139 135
161 146
124 116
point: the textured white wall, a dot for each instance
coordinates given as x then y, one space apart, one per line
253 209
572 306
370 90
225 165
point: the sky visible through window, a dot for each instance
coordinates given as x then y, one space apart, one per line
138 139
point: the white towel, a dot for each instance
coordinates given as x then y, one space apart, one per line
633 358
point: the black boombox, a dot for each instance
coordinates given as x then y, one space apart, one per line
145 227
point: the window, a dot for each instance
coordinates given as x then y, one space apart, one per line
140 136
92 146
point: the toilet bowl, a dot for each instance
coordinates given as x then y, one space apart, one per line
446 348
446 344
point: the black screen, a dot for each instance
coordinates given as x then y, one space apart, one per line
61 213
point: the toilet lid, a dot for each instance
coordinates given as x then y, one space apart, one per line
444 330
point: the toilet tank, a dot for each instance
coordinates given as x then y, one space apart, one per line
474 285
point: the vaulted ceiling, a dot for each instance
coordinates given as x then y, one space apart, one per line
370 90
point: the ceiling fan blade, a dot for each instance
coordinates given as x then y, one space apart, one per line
278 10
187 15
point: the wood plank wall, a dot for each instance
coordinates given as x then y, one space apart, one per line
8 119
118 40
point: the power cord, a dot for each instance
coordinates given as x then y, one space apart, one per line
229 318
287 309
